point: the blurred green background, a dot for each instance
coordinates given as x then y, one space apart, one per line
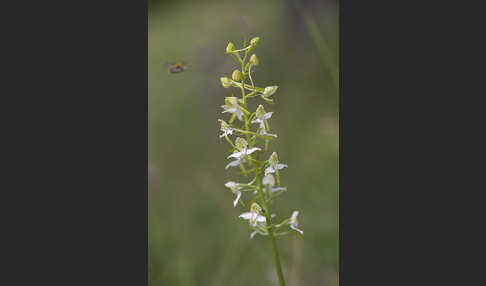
195 236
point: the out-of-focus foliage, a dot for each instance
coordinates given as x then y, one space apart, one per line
195 236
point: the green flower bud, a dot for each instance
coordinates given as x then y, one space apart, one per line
241 143
230 48
269 90
253 60
226 82
236 75
255 41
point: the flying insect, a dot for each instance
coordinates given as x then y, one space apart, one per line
176 67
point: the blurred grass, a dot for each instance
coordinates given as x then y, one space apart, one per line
195 236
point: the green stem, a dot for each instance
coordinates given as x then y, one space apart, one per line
229 141
249 74
276 257
252 133
243 81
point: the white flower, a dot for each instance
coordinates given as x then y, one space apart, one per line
294 223
241 152
232 107
227 130
235 189
262 116
274 164
253 215
269 182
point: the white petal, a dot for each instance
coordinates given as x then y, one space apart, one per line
239 114
273 135
252 234
269 180
295 214
269 170
293 219
246 215
235 155
261 218
230 184
281 166
249 151
225 133
296 229
278 189
238 195
267 115
233 164
273 215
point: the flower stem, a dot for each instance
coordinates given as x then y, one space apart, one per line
276 257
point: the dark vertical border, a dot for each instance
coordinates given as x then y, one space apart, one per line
77 136
391 166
